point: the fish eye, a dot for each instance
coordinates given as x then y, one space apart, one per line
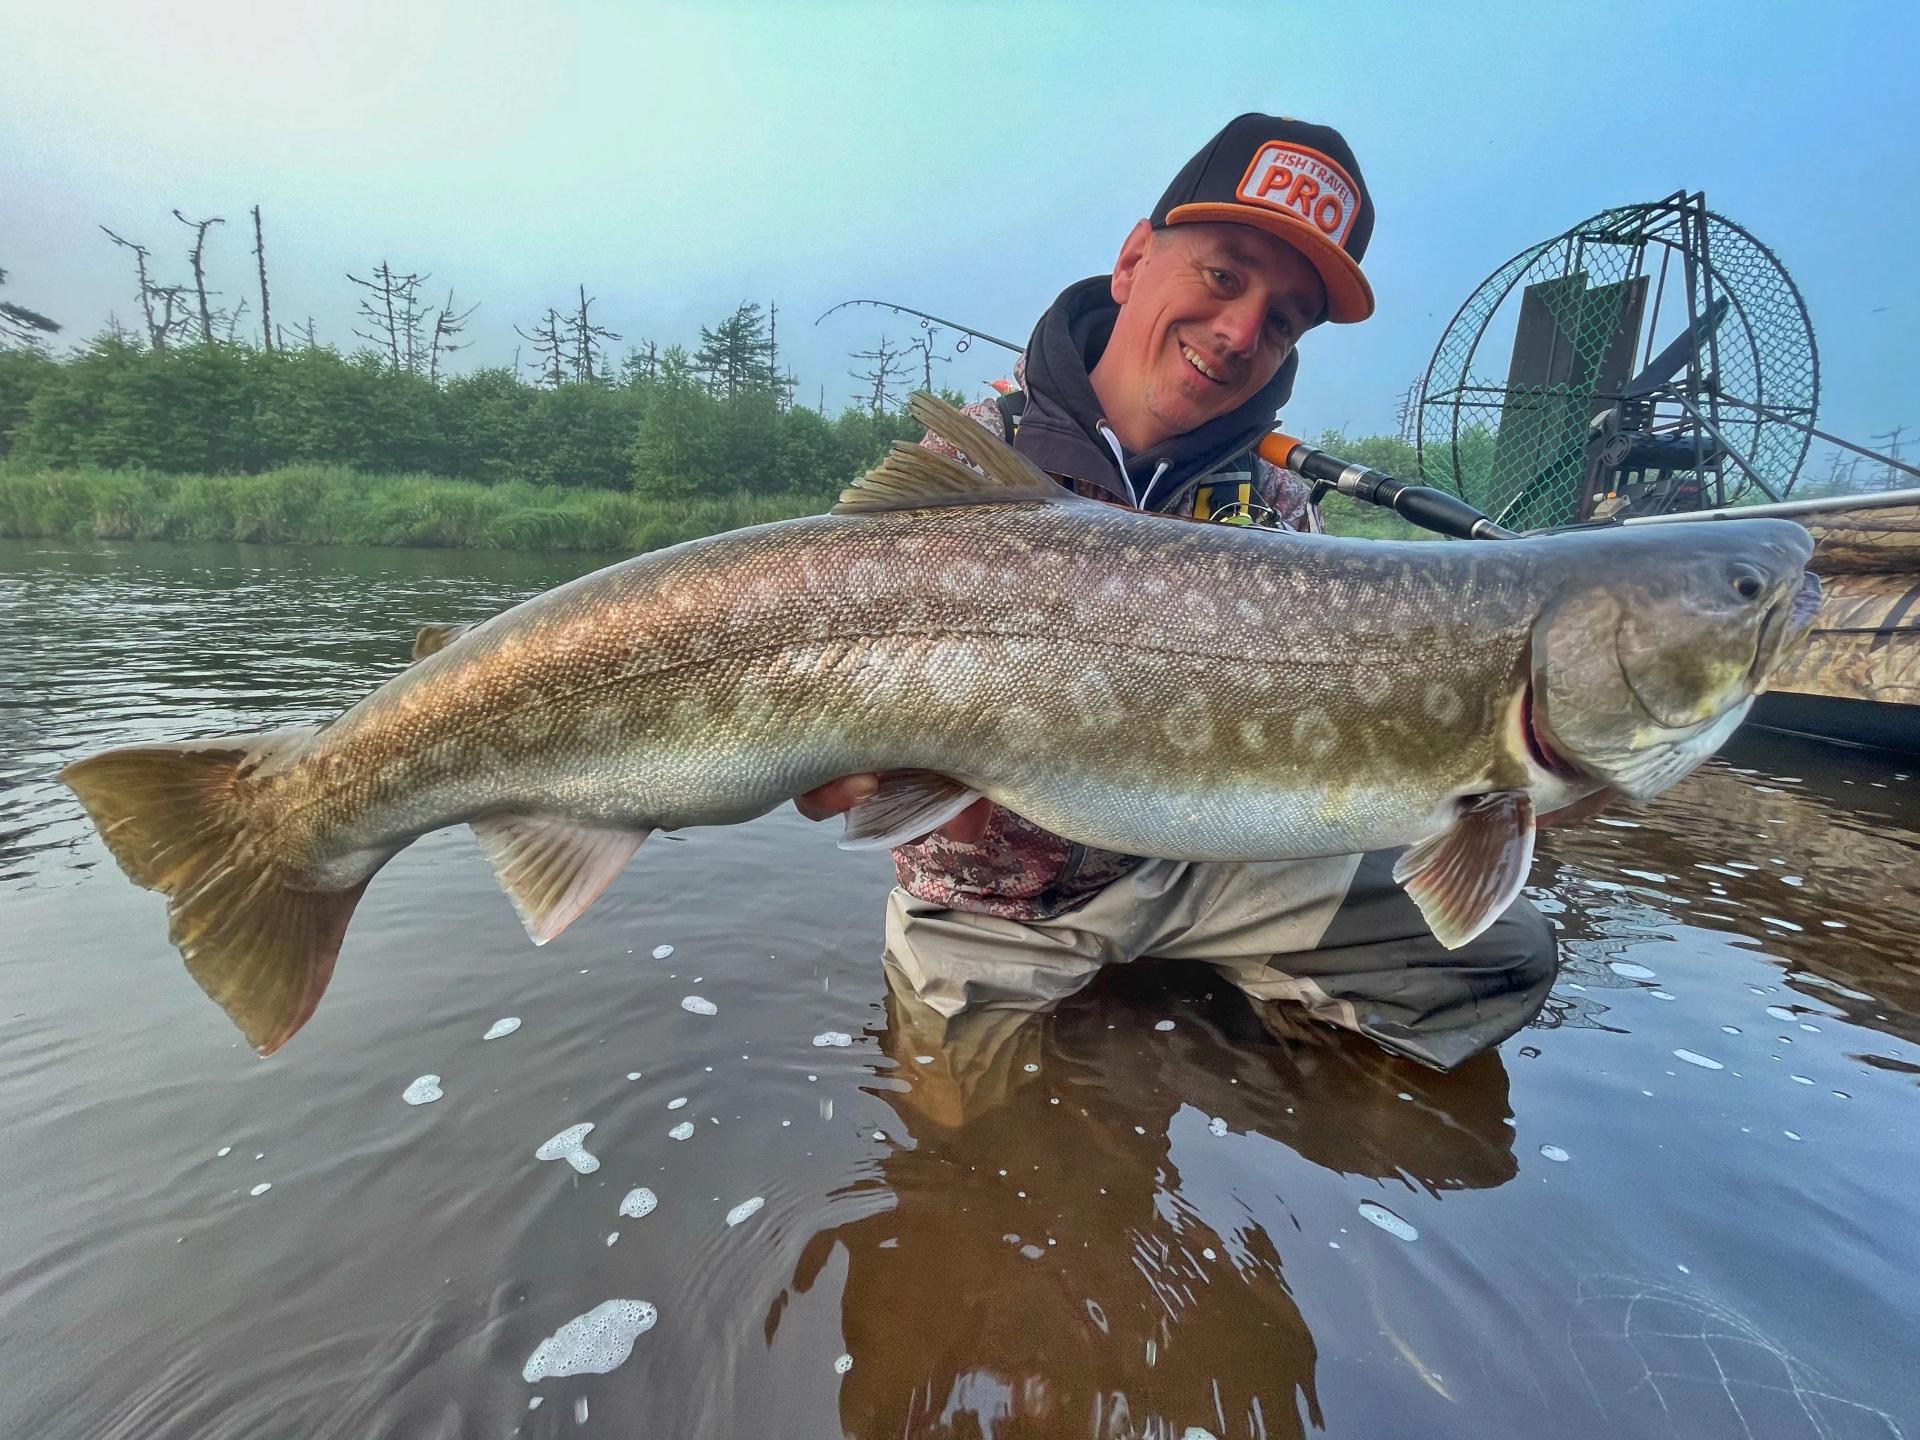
1748 583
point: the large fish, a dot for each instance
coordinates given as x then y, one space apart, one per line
1136 682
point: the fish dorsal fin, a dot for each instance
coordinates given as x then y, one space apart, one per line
432 639
908 804
553 869
1464 878
913 477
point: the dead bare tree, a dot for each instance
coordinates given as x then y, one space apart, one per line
448 325
196 257
552 345
260 258
392 309
584 336
922 345
642 362
21 326
888 363
172 319
231 319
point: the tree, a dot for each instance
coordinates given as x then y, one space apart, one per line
195 258
167 324
585 336
260 256
888 366
391 309
23 328
737 355
552 347
448 326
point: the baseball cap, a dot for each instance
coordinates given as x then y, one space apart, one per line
1294 180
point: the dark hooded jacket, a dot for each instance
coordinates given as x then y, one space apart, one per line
1019 870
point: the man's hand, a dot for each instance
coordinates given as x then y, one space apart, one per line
838 796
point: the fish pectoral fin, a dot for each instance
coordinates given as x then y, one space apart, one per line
553 869
1464 878
1585 808
432 639
913 477
908 804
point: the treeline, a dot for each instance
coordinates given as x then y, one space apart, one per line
658 429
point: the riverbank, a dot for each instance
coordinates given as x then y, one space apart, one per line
334 505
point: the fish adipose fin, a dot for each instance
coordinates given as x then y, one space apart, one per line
552 869
432 639
261 947
913 477
1464 878
908 804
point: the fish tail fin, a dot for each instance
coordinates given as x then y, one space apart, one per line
177 819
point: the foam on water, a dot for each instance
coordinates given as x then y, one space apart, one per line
745 1210
833 1037
595 1343
698 1005
567 1146
682 1131
1217 1126
639 1203
1696 1059
1164 1025
504 1026
423 1091
1387 1221
1555 1153
677 1102
261 1188
843 1364
661 952
1626 969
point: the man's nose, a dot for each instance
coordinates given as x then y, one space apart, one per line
1238 325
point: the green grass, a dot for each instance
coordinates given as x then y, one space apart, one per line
332 505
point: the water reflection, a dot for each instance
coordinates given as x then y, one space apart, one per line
1083 1246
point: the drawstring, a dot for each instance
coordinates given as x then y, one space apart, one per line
1119 459
1138 501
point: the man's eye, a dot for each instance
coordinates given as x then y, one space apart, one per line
1223 278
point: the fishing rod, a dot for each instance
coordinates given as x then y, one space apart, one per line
1425 506
968 333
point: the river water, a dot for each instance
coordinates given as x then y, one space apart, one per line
1683 1204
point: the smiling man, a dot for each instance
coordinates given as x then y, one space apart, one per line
1148 387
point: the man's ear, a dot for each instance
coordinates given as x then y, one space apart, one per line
1132 252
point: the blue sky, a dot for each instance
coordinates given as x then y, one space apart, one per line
968 159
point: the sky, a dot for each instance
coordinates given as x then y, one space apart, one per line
971 160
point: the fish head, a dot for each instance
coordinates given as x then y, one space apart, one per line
1646 663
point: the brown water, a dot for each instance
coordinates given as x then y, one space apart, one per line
1075 1225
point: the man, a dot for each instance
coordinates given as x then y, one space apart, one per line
1147 388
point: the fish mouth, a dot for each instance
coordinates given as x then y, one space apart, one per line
1785 627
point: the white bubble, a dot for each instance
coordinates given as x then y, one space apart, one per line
501 1027
224 1150
923 1059
843 1364
1196 1432
633 1074
698 1005
745 1210
566 1146
1387 1220
1629 970
1554 1152
595 1343
1695 1059
838 1038
1780 1012
682 1131
423 1091
1217 1126
677 1102
261 1188
1164 1025
661 952
639 1203
1030 1067
612 1236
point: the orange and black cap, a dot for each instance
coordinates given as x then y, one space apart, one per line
1294 180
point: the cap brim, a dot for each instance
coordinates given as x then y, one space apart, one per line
1349 296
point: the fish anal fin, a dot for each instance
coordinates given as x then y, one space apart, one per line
432 639
908 805
1465 877
913 477
553 869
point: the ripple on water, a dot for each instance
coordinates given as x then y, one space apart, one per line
591 1344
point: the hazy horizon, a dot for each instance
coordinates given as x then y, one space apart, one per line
967 160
